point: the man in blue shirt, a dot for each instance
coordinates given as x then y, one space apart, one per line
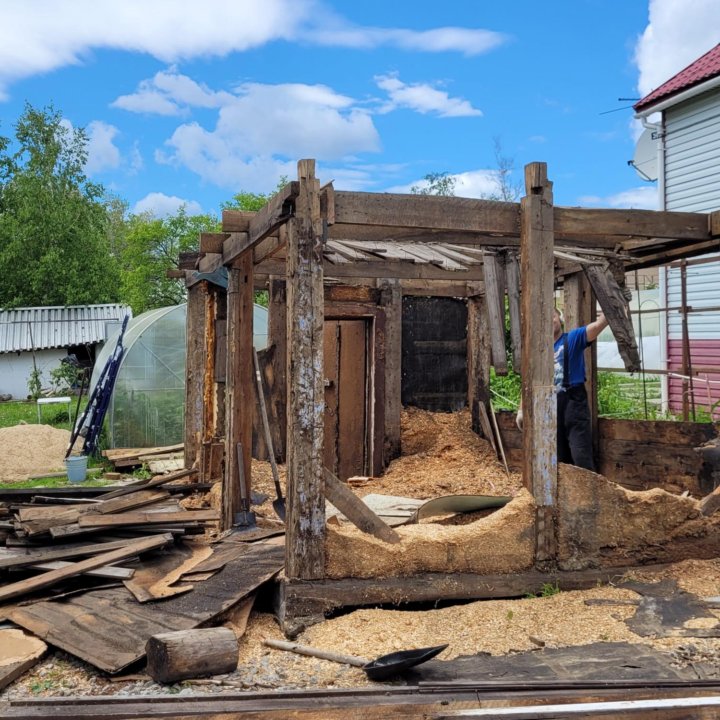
574 434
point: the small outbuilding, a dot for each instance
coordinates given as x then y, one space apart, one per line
39 337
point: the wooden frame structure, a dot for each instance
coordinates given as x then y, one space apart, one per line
310 235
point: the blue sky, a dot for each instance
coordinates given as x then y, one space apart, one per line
191 102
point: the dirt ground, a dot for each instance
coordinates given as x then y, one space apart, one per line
441 456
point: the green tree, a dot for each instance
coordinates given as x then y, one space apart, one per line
151 247
252 202
436 183
53 241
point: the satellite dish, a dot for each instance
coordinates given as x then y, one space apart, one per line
645 159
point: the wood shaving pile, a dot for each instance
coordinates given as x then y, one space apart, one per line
27 450
441 455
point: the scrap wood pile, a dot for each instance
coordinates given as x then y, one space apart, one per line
100 576
158 459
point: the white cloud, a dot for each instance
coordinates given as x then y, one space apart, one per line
677 34
170 93
43 35
639 198
262 130
103 154
468 41
422 98
160 205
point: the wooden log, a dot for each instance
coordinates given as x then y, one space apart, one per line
356 511
538 392
53 577
305 546
195 653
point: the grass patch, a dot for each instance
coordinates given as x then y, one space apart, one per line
56 482
16 412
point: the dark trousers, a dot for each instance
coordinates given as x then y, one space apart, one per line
574 430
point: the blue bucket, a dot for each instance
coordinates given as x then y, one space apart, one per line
76 468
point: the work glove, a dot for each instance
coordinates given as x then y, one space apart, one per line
627 293
519 419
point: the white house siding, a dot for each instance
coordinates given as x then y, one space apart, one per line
692 184
15 369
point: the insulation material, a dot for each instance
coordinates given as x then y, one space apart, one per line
502 542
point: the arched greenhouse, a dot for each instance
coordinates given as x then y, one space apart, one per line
147 405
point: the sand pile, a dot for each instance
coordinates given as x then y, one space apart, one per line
31 450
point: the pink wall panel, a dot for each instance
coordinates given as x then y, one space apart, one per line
703 353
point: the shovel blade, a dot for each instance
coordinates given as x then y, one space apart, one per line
279 508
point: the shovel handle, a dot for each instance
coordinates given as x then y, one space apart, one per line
315 652
266 425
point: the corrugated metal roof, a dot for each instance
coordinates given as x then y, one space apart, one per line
704 68
52 327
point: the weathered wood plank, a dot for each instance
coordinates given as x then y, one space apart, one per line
615 307
239 386
512 275
305 521
148 518
492 270
109 628
195 348
18 653
478 354
52 577
211 242
355 510
391 301
264 222
656 431
277 339
538 396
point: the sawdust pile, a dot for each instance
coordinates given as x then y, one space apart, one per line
27 450
503 542
441 455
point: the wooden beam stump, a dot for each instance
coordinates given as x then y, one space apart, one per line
305 536
539 398
194 653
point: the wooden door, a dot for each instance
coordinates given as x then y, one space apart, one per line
346 397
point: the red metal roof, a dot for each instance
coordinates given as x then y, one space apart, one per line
704 68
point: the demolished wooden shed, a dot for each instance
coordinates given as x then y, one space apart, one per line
351 257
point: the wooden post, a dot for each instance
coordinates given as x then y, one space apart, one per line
494 273
579 310
239 384
194 369
277 339
512 273
391 300
478 354
305 522
538 392
220 360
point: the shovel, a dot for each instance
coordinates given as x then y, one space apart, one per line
382 668
279 502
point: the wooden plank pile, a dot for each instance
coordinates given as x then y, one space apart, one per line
128 563
122 458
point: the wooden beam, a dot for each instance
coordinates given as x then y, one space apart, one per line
147 518
512 274
492 270
194 368
264 222
277 339
236 221
239 386
478 358
391 301
538 392
212 242
384 269
305 522
615 307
